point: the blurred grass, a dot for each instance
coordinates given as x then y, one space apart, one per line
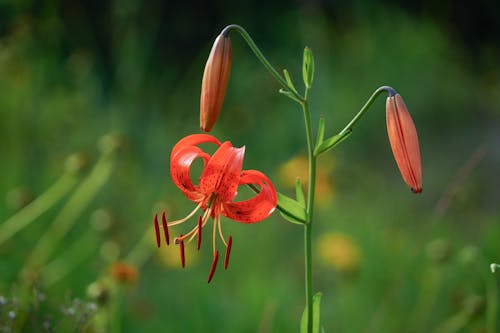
59 93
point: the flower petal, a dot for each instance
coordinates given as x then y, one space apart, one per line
180 164
182 156
257 208
193 140
222 172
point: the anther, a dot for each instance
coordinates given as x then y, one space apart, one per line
165 228
157 230
181 247
198 243
228 251
214 265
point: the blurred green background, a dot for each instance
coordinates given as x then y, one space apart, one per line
118 83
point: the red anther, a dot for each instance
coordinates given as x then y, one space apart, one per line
181 247
157 230
214 265
165 228
228 251
198 243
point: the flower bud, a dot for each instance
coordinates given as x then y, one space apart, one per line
404 141
215 78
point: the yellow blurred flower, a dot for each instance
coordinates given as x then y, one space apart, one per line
339 250
297 167
170 255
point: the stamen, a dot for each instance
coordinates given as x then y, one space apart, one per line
157 230
206 216
214 265
213 234
220 231
165 228
181 247
198 243
228 251
170 224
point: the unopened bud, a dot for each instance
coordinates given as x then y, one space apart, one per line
308 67
215 78
404 141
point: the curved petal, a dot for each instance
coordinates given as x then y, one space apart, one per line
180 164
191 141
257 208
222 172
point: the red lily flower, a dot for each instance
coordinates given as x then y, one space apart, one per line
215 193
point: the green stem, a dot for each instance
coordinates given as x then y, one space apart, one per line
36 208
360 114
143 249
310 210
69 260
261 57
82 196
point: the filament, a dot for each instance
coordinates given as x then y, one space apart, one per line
170 224
220 231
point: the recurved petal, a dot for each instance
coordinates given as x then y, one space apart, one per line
191 141
404 142
214 83
222 172
257 208
180 165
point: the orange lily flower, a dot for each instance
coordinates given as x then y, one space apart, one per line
404 141
215 193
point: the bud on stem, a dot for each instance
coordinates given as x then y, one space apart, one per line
214 83
404 141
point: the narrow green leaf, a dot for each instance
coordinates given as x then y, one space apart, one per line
289 80
289 94
303 321
308 67
316 303
316 312
321 131
331 142
299 193
291 210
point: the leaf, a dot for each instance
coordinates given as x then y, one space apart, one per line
303 321
321 131
331 142
316 312
316 316
289 80
289 94
299 193
291 210
308 67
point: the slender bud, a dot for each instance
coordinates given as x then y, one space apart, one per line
404 141
308 68
215 78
